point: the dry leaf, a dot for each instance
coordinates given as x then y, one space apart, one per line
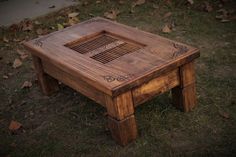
155 6
14 125
26 84
168 14
37 22
60 26
208 7
138 2
223 11
22 54
16 40
98 2
121 2
224 114
27 25
73 18
85 3
224 20
17 63
190 1
73 21
112 14
166 29
5 76
5 39
51 7
74 14
39 31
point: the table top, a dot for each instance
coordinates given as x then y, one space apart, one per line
110 56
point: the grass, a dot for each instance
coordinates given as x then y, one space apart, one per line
69 124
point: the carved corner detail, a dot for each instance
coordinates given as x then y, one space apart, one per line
119 78
180 49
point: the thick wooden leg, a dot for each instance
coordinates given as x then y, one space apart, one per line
48 84
184 95
121 120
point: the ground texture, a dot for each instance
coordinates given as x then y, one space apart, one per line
69 124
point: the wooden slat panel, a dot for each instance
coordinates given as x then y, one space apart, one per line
75 83
155 87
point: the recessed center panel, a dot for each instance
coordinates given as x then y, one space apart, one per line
104 47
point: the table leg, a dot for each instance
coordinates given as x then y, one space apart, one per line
184 95
48 84
121 119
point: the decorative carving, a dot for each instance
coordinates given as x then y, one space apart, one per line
180 50
109 78
119 78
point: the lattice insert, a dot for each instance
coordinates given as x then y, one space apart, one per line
116 52
108 53
93 44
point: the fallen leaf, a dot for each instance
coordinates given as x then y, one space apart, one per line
112 14
14 125
224 20
85 3
15 27
73 20
26 84
39 31
121 2
98 2
52 6
138 2
27 25
155 6
208 7
60 26
37 22
17 63
5 39
166 29
224 17
190 1
74 14
223 11
52 27
168 14
9 74
22 54
16 40
5 76
224 114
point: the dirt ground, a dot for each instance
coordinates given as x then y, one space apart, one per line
69 124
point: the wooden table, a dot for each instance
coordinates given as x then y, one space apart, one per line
117 66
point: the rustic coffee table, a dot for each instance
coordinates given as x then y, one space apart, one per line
118 67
